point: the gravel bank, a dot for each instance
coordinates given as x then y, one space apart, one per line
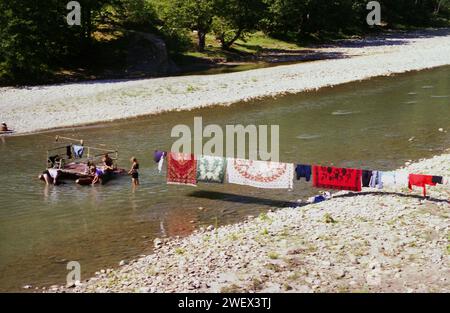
38 108
370 242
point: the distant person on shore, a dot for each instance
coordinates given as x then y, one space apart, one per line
134 171
4 127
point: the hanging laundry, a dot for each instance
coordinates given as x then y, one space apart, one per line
211 169
395 179
182 169
69 151
376 180
260 174
366 176
78 151
161 162
157 155
303 171
420 181
438 180
337 178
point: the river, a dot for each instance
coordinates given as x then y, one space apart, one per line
363 124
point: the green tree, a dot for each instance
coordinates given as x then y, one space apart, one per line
195 15
32 35
234 18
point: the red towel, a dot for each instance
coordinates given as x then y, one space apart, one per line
337 178
182 169
421 181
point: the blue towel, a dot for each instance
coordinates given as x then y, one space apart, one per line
303 171
78 151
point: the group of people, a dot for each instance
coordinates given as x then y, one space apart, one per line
50 176
108 167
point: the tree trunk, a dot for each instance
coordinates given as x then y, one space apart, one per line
201 40
227 44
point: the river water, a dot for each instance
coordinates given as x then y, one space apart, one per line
365 124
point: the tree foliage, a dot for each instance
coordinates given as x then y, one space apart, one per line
35 37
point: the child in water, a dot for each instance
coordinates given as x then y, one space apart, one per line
134 171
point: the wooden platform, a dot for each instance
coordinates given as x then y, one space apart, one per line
78 171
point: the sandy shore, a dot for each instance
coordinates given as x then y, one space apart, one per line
389 241
38 108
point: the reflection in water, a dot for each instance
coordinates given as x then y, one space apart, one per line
42 227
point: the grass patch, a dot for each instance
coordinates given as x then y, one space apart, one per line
242 49
274 267
231 289
180 251
327 218
264 217
273 255
257 284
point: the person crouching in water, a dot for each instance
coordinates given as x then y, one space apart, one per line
134 171
4 127
98 175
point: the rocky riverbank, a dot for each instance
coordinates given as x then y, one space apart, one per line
44 107
375 241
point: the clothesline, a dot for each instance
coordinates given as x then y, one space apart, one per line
188 169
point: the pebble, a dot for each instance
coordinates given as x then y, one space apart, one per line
157 243
122 263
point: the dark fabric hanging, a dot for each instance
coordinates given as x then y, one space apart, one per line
303 171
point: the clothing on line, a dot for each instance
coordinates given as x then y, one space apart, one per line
78 151
158 155
260 174
438 180
337 178
211 169
69 151
366 177
161 162
303 171
376 180
420 181
395 179
181 169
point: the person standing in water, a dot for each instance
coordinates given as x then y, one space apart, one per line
134 171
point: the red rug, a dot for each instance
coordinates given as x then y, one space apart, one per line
182 169
337 178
